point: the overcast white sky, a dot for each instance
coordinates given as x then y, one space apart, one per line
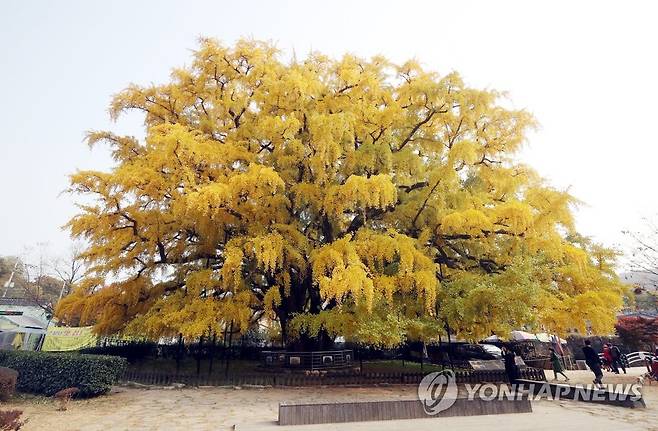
587 70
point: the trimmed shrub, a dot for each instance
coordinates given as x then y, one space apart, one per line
7 383
48 373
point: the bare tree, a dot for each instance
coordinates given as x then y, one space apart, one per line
69 269
644 252
44 279
38 284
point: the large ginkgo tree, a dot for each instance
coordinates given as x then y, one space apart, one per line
325 197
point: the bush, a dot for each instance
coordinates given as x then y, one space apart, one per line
48 373
10 420
7 383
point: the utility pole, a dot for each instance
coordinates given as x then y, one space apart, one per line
9 282
61 292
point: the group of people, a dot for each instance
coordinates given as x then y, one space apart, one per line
613 360
512 369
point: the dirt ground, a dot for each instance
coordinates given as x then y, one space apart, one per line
194 409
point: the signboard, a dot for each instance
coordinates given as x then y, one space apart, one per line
64 339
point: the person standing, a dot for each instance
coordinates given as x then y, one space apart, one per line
593 362
511 368
617 360
557 365
607 359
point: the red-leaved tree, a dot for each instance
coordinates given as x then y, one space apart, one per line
638 333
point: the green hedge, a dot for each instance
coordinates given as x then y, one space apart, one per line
47 373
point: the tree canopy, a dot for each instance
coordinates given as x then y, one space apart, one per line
345 196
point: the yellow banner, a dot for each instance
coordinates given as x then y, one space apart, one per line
64 339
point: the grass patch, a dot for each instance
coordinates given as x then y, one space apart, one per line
25 398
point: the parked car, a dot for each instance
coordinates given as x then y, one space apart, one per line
460 352
493 350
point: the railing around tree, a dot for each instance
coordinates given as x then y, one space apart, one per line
320 360
301 379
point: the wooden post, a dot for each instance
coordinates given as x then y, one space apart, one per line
441 352
228 352
179 353
360 359
212 352
422 356
452 366
198 356
224 342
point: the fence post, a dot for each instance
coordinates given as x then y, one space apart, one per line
179 352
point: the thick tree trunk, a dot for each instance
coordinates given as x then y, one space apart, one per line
303 298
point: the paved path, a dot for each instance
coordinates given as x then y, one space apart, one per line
217 409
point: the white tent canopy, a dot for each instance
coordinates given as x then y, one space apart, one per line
20 331
21 324
542 336
548 338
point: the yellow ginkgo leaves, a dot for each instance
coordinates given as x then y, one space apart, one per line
326 197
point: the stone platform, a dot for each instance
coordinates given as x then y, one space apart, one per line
584 393
305 414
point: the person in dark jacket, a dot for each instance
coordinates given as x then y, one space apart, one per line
617 359
593 362
511 368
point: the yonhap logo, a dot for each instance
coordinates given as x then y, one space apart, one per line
437 391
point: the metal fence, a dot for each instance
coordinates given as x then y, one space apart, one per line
299 379
635 359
